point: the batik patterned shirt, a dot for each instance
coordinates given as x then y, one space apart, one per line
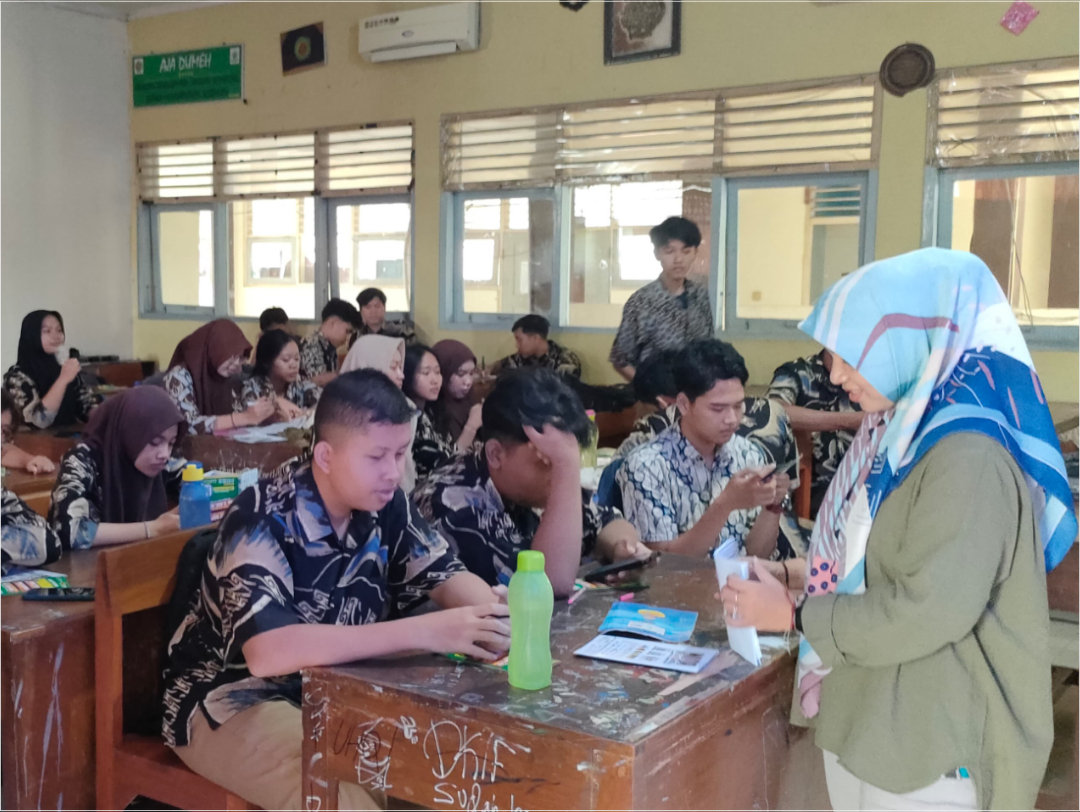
392 329
75 507
27 399
431 448
26 538
462 503
557 359
653 321
181 388
667 486
301 392
805 382
277 562
317 356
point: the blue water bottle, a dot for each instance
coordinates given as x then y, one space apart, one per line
194 498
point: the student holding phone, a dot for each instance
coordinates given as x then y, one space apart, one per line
699 483
922 604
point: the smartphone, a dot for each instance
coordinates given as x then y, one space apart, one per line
602 573
775 471
60 593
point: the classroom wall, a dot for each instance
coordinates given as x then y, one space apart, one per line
540 53
66 200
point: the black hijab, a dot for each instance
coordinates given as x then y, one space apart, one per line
43 369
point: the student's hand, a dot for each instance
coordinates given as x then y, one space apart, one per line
165 523
783 487
256 413
748 490
791 573
477 631
70 370
763 603
287 409
558 449
40 465
501 594
619 541
476 417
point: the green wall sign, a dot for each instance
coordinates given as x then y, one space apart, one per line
210 74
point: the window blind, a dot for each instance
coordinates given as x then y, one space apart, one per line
1006 114
176 171
371 158
832 201
499 151
327 162
797 129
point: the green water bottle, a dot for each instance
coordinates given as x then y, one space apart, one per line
531 602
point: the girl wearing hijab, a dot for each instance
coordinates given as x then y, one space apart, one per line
924 661
454 412
387 355
111 487
423 382
44 391
276 378
199 382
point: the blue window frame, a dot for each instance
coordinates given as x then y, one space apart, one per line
183 260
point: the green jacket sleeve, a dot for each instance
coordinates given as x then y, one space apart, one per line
940 562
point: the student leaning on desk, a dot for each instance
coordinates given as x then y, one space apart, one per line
922 604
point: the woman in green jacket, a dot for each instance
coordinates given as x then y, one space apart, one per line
924 665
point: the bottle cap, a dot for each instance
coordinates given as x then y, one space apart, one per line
590 414
193 473
530 561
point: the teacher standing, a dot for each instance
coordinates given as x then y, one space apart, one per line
670 312
924 663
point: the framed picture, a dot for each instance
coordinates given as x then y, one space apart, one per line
641 29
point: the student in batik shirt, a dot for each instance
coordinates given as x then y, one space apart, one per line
699 483
319 351
814 403
522 489
316 565
27 539
672 311
44 391
432 448
372 303
276 377
535 349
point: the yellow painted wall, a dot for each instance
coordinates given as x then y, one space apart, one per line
540 53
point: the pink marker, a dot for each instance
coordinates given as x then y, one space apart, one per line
627 597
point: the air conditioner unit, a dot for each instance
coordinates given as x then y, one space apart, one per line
428 31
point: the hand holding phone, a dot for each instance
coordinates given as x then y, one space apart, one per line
603 573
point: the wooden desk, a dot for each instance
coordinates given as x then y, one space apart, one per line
23 484
231 455
603 736
122 373
48 696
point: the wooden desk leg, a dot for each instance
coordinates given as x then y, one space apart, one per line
320 790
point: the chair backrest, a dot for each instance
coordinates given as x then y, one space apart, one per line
134 585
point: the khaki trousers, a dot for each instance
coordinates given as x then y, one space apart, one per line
257 755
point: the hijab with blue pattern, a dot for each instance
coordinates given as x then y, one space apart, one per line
933 332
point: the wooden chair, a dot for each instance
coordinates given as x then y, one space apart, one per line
134 585
38 502
805 441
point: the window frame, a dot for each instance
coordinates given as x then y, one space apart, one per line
334 283
723 287
938 220
452 315
149 262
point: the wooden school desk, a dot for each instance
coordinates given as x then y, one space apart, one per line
48 696
604 736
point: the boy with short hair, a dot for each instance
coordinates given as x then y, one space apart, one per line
319 351
699 483
535 349
670 312
273 318
308 568
372 303
522 489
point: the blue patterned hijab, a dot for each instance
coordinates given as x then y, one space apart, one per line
931 331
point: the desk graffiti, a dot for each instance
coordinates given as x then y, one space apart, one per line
465 762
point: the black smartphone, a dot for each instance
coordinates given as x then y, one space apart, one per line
607 570
776 471
60 593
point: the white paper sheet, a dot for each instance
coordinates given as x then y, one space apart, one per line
743 641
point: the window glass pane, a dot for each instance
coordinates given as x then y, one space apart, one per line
793 243
272 257
186 253
1025 230
373 250
611 253
508 255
